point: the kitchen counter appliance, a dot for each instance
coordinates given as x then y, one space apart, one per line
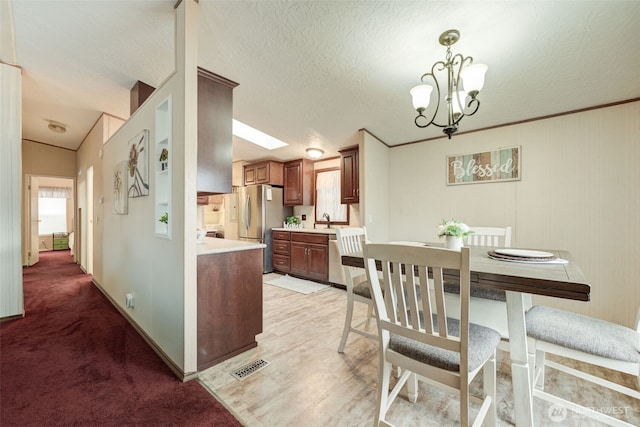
261 208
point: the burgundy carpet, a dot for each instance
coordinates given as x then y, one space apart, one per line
75 361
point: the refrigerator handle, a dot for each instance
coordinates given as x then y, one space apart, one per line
248 212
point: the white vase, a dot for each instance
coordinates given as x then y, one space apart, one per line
453 242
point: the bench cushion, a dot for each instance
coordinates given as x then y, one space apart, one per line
583 333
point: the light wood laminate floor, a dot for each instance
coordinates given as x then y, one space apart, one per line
308 383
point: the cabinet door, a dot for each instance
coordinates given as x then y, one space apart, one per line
293 183
298 182
349 176
215 139
262 174
318 261
249 175
298 258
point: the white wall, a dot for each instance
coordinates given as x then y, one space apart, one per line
580 191
160 272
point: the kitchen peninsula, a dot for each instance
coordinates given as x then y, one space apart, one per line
229 298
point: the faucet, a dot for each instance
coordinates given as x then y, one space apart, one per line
328 218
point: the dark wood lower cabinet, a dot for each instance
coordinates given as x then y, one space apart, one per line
229 304
310 255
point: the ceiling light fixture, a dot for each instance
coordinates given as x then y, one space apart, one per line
314 153
56 127
459 70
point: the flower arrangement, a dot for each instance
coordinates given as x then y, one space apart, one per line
453 228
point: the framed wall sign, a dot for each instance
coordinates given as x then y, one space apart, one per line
489 166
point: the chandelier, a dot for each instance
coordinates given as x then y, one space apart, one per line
464 81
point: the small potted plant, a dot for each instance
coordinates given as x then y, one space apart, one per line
164 159
453 231
292 222
165 220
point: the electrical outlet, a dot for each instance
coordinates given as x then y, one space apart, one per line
130 301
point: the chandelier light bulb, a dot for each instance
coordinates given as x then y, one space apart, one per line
473 78
421 95
458 102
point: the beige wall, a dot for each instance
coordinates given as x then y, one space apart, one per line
89 155
46 160
375 186
580 191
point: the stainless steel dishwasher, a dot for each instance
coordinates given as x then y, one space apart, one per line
336 272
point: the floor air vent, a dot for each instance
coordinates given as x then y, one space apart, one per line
249 369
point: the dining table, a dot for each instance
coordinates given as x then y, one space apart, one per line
559 278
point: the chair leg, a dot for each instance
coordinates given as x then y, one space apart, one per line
539 370
412 388
464 404
369 316
490 387
347 323
384 373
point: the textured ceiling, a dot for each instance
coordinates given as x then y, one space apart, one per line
314 72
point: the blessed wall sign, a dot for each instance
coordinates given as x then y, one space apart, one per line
488 166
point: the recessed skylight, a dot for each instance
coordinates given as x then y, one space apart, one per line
255 136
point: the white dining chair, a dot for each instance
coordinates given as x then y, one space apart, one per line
586 339
417 336
489 236
350 240
488 306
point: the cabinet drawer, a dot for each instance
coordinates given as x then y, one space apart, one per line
281 235
61 241
322 239
281 263
281 247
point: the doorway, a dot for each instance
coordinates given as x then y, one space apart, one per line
49 215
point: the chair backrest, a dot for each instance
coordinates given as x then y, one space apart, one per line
350 240
406 307
489 236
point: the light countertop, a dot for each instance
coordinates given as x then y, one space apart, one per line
212 245
308 230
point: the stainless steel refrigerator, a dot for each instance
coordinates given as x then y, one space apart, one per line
260 208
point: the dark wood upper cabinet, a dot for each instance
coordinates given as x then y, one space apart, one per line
215 138
349 176
298 182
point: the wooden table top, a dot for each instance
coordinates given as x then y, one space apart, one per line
555 280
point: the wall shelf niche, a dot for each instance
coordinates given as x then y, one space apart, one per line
162 156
